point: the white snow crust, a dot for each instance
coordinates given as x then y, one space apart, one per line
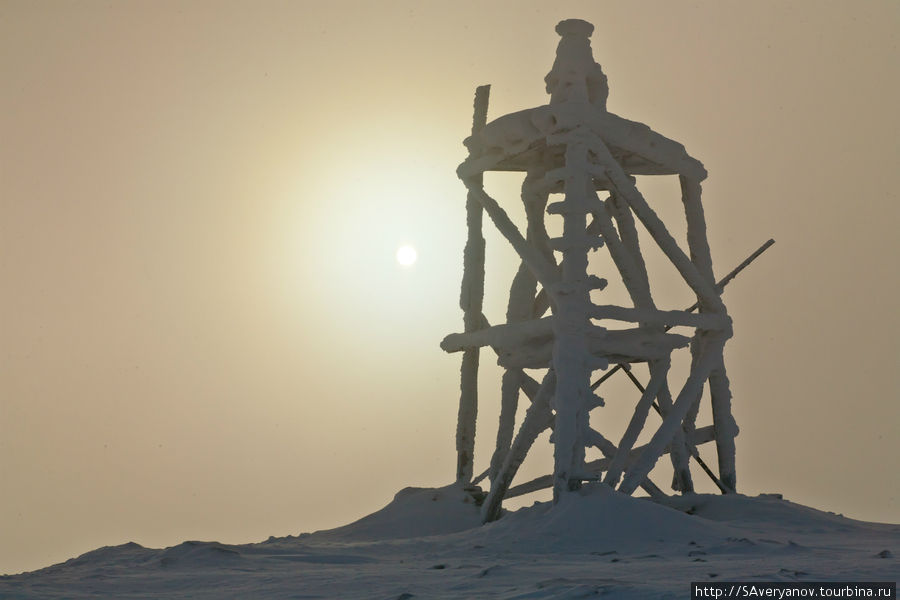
429 543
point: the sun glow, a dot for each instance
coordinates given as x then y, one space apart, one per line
406 255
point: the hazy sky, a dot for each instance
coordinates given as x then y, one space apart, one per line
204 333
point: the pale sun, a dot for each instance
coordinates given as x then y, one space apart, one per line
406 255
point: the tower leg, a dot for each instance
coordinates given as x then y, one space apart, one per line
468 413
509 400
719 387
471 301
538 417
726 428
572 359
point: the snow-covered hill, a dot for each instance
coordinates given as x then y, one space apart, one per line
428 543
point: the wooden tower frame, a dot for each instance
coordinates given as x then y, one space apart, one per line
574 147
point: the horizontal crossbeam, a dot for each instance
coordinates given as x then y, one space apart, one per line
701 436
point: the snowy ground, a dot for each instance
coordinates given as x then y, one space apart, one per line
427 543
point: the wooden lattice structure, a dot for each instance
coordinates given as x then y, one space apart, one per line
575 148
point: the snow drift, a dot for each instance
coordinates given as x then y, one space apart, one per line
429 543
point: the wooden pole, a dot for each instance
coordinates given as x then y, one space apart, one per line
520 308
691 448
680 452
617 206
471 301
624 261
625 188
636 424
538 417
719 387
712 349
545 271
509 401
701 436
720 286
572 358
608 449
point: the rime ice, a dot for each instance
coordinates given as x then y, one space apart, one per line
575 148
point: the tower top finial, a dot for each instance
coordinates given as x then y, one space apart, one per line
574 27
575 77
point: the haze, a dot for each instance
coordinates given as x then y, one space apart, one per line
205 333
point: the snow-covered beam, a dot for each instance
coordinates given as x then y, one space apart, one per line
538 417
719 387
666 318
632 276
615 345
710 358
702 436
680 452
509 401
546 272
617 208
719 286
571 353
500 336
510 335
471 301
597 440
520 308
636 424
625 188
726 428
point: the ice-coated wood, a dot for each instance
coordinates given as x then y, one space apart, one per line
702 436
574 147
719 387
635 425
471 300
709 359
538 417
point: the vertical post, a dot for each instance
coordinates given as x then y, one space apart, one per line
509 404
726 428
471 301
719 387
572 359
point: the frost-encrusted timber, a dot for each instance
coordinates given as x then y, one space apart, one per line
470 300
511 142
575 148
597 467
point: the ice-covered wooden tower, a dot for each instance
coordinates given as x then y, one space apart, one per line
580 161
